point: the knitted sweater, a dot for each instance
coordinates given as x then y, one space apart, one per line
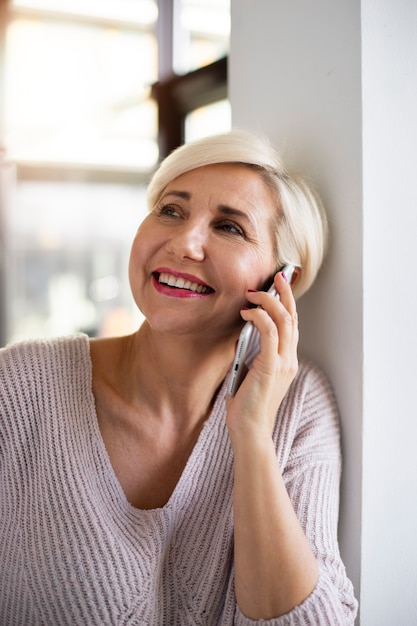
73 551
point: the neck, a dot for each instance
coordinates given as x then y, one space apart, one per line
167 372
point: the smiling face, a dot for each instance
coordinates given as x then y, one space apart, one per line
207 241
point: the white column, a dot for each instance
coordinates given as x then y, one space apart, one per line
334 84
389 483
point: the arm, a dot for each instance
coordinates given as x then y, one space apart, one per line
275 568
278 572
311 474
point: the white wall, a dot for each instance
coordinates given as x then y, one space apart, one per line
333 83
389 544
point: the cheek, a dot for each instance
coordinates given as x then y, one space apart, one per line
134 254
141 246
258 269
137 261
249 273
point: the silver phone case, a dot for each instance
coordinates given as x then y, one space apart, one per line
247 335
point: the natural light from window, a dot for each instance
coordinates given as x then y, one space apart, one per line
81 96
81 134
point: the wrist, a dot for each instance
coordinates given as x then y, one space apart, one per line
251 441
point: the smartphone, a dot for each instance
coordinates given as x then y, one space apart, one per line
247 337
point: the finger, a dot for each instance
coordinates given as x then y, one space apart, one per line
276 361
287 299
285 292
287 325
268 333
278 334
282 311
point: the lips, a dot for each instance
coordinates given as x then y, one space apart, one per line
183 282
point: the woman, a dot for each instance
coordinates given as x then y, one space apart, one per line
133 488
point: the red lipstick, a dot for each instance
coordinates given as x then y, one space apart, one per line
177 284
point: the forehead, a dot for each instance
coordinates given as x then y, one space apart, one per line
237 182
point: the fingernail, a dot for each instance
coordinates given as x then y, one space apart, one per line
252 290
245 308
283 276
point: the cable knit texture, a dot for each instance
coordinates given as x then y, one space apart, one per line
74 552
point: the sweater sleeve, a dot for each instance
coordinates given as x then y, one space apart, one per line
312 476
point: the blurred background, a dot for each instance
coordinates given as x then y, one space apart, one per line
93 93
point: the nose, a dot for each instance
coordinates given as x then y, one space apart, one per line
188 242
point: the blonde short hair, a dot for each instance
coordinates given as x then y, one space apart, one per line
300 225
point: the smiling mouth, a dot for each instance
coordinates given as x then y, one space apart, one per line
177 282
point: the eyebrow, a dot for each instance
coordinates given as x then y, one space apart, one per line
180 194
228 210
222 208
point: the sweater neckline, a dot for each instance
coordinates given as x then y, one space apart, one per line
107 480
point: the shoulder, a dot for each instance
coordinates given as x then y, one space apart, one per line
38 349
313 384
37 379
309 414
27 362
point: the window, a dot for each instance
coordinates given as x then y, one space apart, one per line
82 136
201 33
77 85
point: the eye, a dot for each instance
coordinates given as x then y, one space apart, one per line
231 227
167 210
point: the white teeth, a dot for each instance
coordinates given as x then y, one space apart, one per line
181 283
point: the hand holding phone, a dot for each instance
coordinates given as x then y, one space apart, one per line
246 338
